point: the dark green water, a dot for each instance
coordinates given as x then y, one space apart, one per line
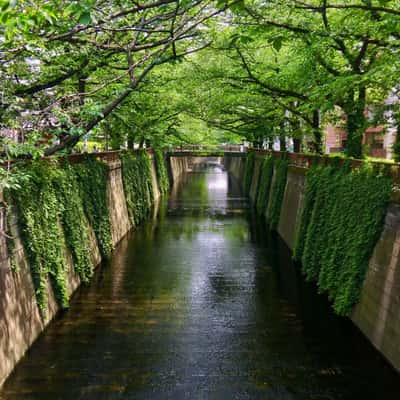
201 304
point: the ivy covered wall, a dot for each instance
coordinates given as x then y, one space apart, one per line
342 219
270 186
161 171
138 184
61 203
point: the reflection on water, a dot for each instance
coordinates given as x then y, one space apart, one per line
201 304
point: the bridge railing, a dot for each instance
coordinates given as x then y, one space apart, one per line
207 148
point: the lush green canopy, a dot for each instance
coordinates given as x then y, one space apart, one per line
175 71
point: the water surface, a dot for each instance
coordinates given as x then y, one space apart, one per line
201 303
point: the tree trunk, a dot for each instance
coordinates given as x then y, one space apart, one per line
296 133
355 124
317 134
396 144
282 142
257 144
296 145
81 89
131 143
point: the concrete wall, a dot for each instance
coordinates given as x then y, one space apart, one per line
235 164
20 320
177 166
377 314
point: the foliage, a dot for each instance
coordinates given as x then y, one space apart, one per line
39 213
51 210
267 171
277 193
248 171
278 71
273 72
161 170
74 221
342 219
61 76
311 186
59 202
92 178
396 144
138 184
10 242
396 151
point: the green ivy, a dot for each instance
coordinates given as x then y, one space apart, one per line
277 193
92 180
138 184
266 174
161 170
248 172
51 216
74 222
40 212
56 206
341 221
305 216
10 242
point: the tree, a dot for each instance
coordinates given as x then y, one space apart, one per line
351 44
244 85
266 70
66 66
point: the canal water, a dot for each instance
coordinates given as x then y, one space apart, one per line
201 303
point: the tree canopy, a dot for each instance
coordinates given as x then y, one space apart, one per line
175 71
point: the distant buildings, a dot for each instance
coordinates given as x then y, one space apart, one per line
377 140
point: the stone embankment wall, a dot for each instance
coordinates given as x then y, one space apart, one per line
377 314
20 320
177 165
235 163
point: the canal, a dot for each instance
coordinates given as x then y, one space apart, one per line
201 303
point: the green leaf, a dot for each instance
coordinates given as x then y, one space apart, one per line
85 18
277 43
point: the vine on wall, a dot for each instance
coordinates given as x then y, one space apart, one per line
161 170
39 214
10 242
53 208
271 186
74 221
306 213
248 172
266 174
277 193
92 179
58 203
138 184
341 221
